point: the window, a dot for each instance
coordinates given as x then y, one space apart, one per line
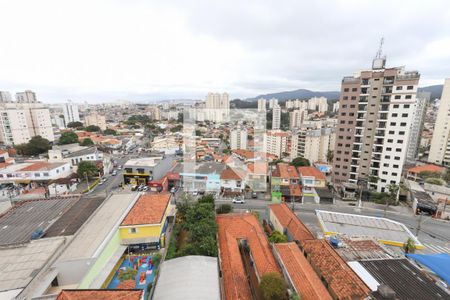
393 123
403 124
45 174
406 106
401 132
404 115
398 150
353 98
346 90
354 89
390 140
410 87
394 115
345 98
398 97
389 149
399 88
400 142
408 97
132 230
391 132
37 174
396 106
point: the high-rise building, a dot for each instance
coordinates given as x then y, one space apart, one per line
336 107
70 111
217 107
313 141
296 118
261 105
276 117
417 125
276 142
375 114
21 121
95 119
440 143
26 97
273 102
5 97
238 139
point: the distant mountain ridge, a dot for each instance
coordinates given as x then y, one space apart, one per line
435 90
297 94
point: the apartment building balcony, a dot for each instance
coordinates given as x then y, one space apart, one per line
381 124
357 147
356 155
376 157
359 132
384 108
386 90
379 133
409 76
364 91
363 99
375 165
385 98
383 116
378 141
378 149
362 107
388 80
365 81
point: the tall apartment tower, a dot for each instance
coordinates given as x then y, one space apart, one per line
297 117
5 97
71 113
276 117
417 125
217 107
238 139
26 97
261 105
440 143
273 102
375 115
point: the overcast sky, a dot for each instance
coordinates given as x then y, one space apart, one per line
150 50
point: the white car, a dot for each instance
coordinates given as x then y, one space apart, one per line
238 201
194 193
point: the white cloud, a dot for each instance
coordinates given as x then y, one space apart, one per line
99 50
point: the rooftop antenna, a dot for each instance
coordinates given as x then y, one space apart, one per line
379 61
380 49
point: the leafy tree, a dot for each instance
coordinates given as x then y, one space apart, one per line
69 137
277 237
177 128
87 142
156 259
446 175
207 199
93 128
180 118
129 274
109 131
87 168
429 174
300 162
198 133
75 125
35 146
224 209
409 246
330 156
436 181
393 193
273 287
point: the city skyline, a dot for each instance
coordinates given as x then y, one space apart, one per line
179 51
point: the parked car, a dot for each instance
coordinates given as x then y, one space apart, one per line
134 187
238 201
114 173
173 190
194 193
141 187
145 188
254 195
119 168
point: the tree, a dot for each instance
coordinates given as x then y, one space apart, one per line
129 274
277 237
35 146
92 128
393 193
87 142
430 174
207 199
273 287
177 128
300 162
87 168
224 209
180 118
436 181
109 131
330 156
75 125
69 137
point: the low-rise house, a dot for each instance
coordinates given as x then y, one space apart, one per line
40 171
203 176
311 177
285 183
414 172
99 294
144 227
283 219
146 169
231 180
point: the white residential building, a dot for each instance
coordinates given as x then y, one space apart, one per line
95 119
417 125
36 171
273 102
70 111
276 117
313 141
217 107
276 142
21 121
297 117
336 107
26 97
238 138
261 105
5 97
440 144
319 104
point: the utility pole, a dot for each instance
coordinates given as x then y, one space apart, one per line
419 223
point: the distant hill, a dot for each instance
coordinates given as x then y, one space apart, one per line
435 90
297 94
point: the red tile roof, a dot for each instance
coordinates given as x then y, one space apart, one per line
289 220
341 279
284 170
231 229
295 190
312 172
41 166
100 294
229 174
258 167
148 209
426 168
302 275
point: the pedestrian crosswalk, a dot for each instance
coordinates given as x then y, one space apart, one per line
436 249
